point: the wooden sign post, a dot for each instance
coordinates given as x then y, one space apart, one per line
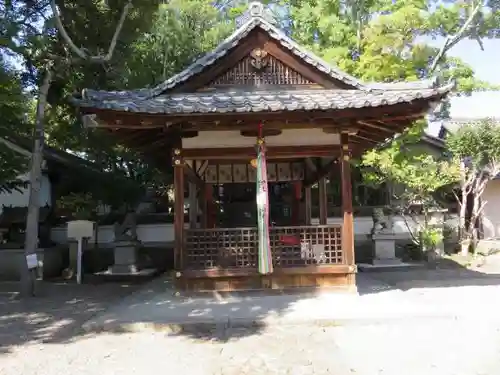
78 230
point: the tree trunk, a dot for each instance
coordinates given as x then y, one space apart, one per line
474 220
28 276
463 228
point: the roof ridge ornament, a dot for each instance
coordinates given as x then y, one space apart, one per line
258 10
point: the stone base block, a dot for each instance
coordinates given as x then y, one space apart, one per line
385 249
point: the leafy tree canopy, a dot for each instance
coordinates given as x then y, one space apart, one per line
375 40
13 109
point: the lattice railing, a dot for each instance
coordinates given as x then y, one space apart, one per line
237 247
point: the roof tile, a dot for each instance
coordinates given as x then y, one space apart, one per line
255 20
262 101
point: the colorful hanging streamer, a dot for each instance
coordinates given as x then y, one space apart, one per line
265 256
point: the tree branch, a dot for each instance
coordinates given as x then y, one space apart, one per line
79 51
452 40
118 30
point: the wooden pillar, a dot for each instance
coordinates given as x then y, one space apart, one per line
178 209
209 206
297 196
348 224
323 213
307 205
203 207
193 206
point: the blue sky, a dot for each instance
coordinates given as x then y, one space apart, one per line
486 66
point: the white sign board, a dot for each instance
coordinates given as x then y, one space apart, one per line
32 261
80 229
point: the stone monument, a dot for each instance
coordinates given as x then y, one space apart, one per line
127 245
384 238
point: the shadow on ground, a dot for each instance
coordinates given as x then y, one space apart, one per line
448 273
66 312
56 314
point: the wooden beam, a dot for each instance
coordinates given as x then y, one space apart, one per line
320 173
239 272
178 163
202 167
193 206
385 129
348 224
297 196
310 165
369 140
193 177
307 205
210 214
247 153
199 121
323 202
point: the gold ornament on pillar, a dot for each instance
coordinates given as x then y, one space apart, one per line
177 158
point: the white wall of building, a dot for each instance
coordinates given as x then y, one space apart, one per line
288 137
164 233
21 198
491 213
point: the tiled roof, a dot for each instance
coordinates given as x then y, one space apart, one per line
256 19
261 101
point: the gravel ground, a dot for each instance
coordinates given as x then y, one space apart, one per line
430 347
55 315
42 336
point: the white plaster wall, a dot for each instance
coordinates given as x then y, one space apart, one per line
21 198
164 233
145 233
491 217
231 139
363 225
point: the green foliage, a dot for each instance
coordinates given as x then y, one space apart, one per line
420 173
431 237
477 147
80 206
13 112
477 144
379 40
416 177
181 31
372 39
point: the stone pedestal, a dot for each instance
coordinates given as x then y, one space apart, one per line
385 249
438 221
126 262
125 257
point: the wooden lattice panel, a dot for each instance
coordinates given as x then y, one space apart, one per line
221 248
306 245
237 247
274 73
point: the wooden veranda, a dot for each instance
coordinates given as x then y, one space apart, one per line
314 118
